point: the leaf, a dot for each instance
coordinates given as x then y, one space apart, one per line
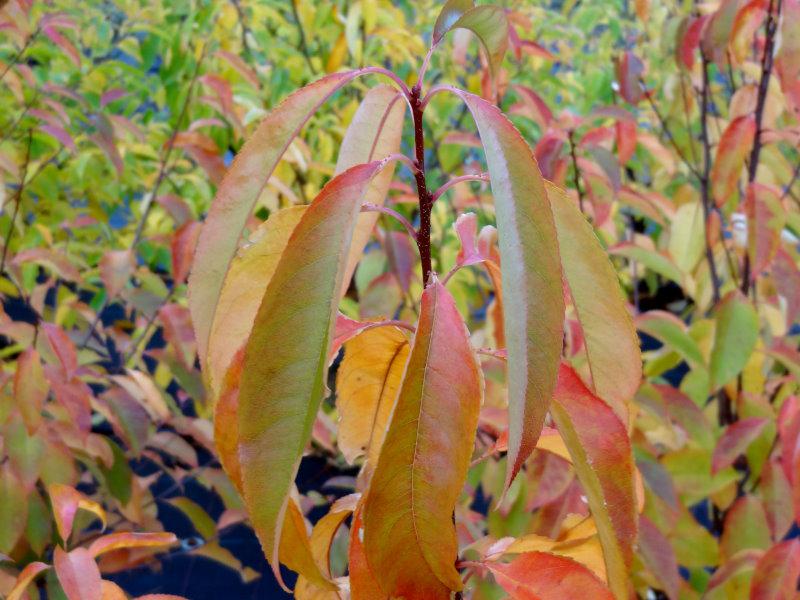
295 549
543 576
409 535
321 540
66 501
734 147
116 267
130 539
612 345
777 572
749 18
363 583
600 448
735 337
281 391
658 555
367 383
451 12
63 348
198 517
77 573
25 578
533 303
183 245
629 70
13 507
488 23
745 527
30 388
735 441
652 259
374 133
670 330
686 237
244 287
239 191
766 219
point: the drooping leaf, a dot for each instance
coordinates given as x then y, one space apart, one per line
734 147
130 539
250 272
77 573
488 23
735 338
777 573
281 391
735 440
543 576
670 330
686 240
374 133
367 383
533 304
239 191
611 342
198 517
652 259
66 501
600 448
295 549
659 556
116 267
409 537
363 582
629 70
25 578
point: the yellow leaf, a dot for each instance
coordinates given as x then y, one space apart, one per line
367 383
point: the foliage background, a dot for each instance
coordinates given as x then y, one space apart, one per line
119 119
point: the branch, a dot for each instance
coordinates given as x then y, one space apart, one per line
370 207
17 203
457 180
576 173
19 54
425 198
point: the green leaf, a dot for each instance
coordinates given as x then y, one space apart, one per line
533 301
285 363
735 338
239 191
488 23
611 342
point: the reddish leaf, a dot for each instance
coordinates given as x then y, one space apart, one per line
776 494
13 507
777 573
183 245
177 322
734 147
63 347
533 304
601 454
409 536
25 578
735 441
657 552
78 574
543 576
116 267
766 218
748 19
625 131
629 71
363 583
66 501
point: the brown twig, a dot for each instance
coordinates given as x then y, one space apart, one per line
425 197
17 203
576 174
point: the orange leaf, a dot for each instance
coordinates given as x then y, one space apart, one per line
601 453
25 578
734 146
182 246
66 501
735 440
130 539
409 536
766 218
543 576
363 583
116 267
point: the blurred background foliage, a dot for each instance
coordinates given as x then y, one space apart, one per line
118 121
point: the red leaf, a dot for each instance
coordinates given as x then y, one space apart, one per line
777 572
63 347
734 146
629 71
735 440
543 576
116 267
765 221
177 322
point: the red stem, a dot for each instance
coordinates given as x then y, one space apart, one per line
425 198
